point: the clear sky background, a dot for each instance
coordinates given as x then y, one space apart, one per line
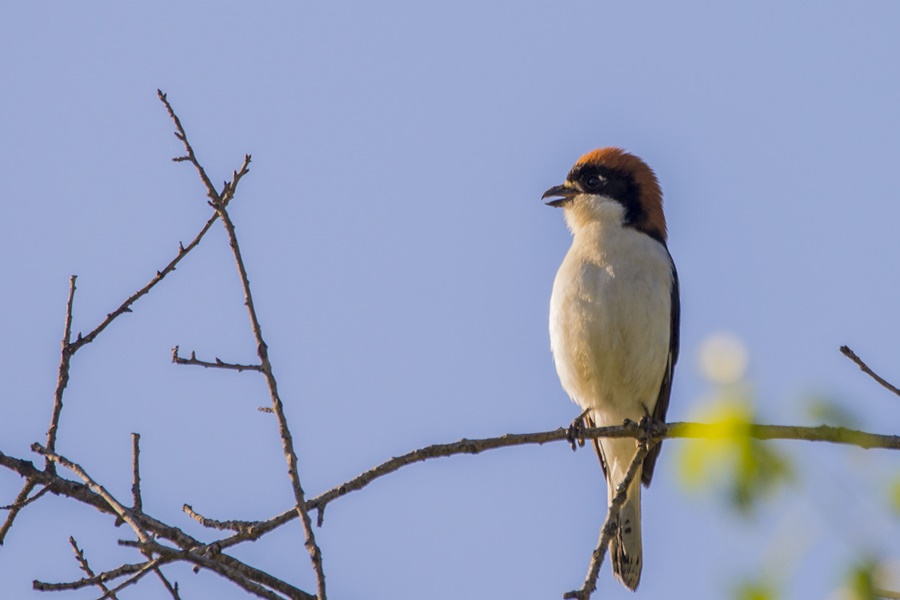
402 262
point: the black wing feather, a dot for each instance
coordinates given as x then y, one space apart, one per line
665 390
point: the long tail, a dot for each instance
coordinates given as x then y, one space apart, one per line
625 550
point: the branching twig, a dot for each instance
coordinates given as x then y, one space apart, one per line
83 563
172 589
150 565
287 442
18 504
219 202
846 351
246 577
63 378
125 307
822 433
610 525
25 500
83 493
124 513
193 360
69 348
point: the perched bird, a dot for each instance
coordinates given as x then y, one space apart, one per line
614 319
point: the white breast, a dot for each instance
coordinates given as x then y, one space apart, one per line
610 320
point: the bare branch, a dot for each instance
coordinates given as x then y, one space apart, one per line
219 202
124 513
138 504
610 525
88 495
18 504
63 378
83 493
42 586
83 563
24 500
148 567
287 442
248 578
846 351
125 307
193 360
822 433
214 196
172 589
239 526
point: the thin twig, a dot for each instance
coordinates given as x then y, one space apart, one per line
124 513
148 567
43 586
18 504
62 379
172 589
611 525
241 578
191 157
138 505
219 202
125 307
83 563
846 351
287 442
27 500
193 360
240 526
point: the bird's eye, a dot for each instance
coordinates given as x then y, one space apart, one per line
593 181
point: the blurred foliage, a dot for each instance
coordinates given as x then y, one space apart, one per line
822 409
895 495
756 590
745 469
861 582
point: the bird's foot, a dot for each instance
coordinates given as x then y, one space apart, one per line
649 427
574 434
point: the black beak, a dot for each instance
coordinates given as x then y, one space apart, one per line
562 193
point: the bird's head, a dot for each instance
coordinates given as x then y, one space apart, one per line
608 184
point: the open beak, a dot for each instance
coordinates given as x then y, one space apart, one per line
562 194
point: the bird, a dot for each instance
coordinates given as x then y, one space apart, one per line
615 319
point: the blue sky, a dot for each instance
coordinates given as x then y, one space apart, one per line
402 262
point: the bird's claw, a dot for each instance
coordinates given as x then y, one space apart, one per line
648 427
574 434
